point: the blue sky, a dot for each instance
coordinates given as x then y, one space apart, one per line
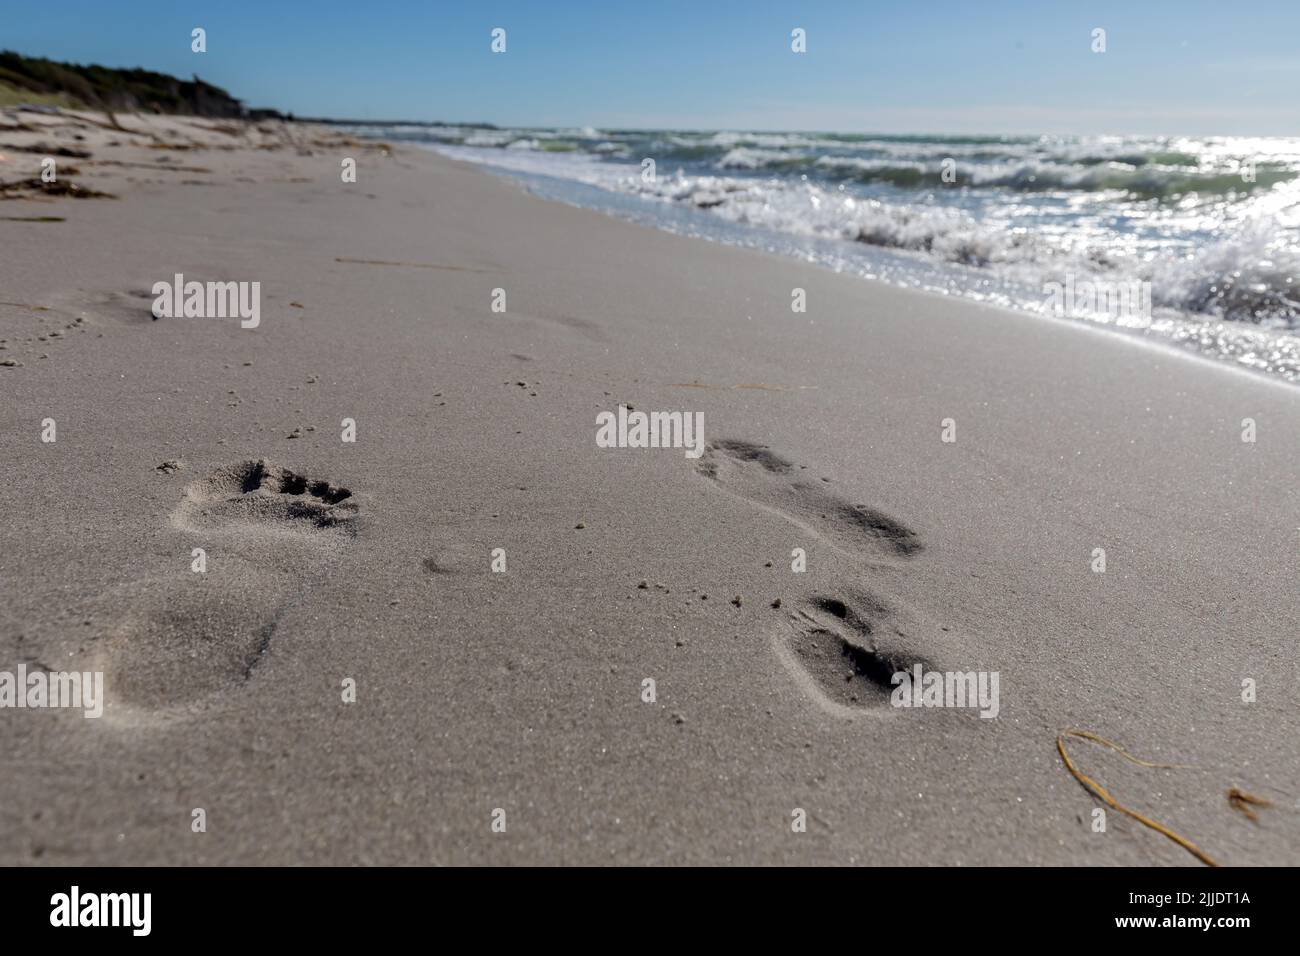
1171 66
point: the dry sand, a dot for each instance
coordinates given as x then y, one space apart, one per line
475 431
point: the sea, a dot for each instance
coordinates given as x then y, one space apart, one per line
1205 231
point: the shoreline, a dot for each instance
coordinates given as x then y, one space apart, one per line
1135 337
886 250
476 430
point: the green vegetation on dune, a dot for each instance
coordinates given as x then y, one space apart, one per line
44 82
11 95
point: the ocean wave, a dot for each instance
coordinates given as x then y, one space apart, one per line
1250 276
1144 181
1160 169
748 157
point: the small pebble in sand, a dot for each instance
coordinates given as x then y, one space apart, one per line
678 719
296 433
643 585
736 600
776 603
579 526
10 363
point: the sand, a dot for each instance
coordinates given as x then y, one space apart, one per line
522 691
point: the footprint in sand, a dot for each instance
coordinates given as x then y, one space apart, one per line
269 534
128 308
256 497
754 472
844 653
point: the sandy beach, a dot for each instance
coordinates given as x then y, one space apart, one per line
520 694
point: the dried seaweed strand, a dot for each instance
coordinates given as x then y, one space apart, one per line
1101 793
